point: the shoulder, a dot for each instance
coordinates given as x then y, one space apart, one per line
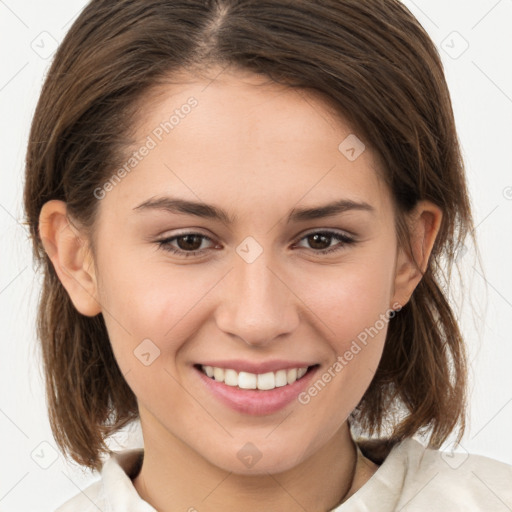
90 499
115 490
461 480
415 478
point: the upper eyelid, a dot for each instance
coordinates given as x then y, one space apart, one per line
335 231
184 233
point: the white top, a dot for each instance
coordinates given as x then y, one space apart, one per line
412 478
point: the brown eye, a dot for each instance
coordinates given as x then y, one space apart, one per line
187 244
320 241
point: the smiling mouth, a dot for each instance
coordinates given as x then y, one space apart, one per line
258 381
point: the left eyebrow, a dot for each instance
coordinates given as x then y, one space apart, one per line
209 211
328 210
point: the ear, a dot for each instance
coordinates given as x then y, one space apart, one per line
70 255
423 224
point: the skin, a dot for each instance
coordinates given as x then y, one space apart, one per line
246 148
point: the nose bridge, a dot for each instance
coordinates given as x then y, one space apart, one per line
257 306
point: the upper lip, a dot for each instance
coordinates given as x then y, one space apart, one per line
254 367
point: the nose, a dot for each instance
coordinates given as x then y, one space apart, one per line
257 303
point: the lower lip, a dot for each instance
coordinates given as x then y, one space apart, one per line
257 402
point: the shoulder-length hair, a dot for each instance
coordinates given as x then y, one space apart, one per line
371 60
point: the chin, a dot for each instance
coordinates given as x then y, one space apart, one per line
253 458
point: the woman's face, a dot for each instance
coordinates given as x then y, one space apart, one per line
257 181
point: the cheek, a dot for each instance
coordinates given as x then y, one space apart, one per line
352 306
357 325
150 318
157 302
352 297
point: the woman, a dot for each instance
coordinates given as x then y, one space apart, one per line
244 211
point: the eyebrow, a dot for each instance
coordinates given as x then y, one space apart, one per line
209 211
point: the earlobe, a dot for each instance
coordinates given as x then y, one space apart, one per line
424 224
69 254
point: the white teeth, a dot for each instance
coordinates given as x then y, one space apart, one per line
291 375
247 380
218 374
266 381
230 377
262 381
281 378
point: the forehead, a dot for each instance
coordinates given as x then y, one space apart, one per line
240 137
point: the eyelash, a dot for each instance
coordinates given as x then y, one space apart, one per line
341 237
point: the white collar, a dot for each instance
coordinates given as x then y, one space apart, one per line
380 492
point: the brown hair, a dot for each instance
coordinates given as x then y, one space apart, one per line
372 60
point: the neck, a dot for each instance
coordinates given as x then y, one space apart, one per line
173 477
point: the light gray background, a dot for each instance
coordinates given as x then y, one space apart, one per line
480 80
